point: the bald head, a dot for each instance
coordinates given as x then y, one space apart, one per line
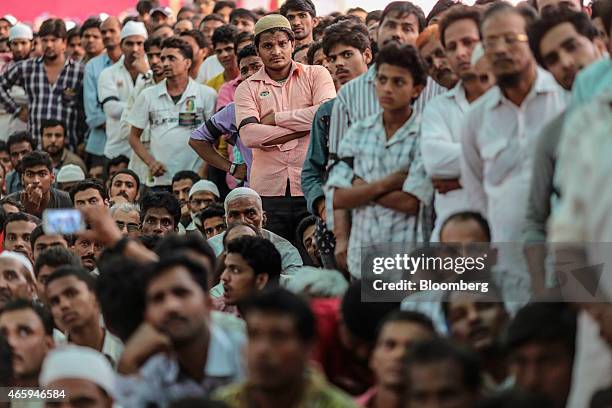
111 33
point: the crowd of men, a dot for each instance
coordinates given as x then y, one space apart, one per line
231 167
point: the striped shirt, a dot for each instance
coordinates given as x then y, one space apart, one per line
373 158
60 100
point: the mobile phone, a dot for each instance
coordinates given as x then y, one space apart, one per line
63 221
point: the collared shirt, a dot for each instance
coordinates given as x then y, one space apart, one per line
58 199
498 143
294 103
94 114
314 171
223 123
171 124
440 144
162 381
13 182
227 92
373 158
70 158
8 122
114 87
217 81
58 101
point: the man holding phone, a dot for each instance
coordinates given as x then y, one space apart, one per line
37 178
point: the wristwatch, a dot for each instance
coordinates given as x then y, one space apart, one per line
233 168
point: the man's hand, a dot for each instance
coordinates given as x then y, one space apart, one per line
141 65
157 168
443 186
241 172
144 343
269 119
341 253
23 113
31 198
103 228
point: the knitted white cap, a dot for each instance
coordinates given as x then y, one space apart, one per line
20 31
133 28
204 185
70 173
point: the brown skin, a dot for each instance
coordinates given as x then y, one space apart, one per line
245 210
47 241
213 226
81 393
88 251
90 197
239 279
92 42
128 223
21 48
53 142
17 237
17 151
180 189
158 221
125 186
37 181
438 65
302 24
227 57
16 282
402 29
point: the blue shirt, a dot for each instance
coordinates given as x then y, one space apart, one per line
93 109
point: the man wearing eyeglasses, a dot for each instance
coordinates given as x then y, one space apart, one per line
127 218
201 195
443 116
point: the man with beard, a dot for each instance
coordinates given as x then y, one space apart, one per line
20 43
303 18
432 51
74 50
28 328
126 184
181 185
152 48
57 102
117 82
16 278
91 38
71 294
54 143
96 119
204 354
443 117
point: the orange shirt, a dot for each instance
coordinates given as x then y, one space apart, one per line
295 103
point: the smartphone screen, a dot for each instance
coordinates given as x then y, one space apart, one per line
63 221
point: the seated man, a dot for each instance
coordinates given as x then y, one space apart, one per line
88 251
160 214
75 308
41 241
181 185
88 193
125 183
82 373
68 176
47 262
127 218
211 220
37 178
54 142
27 326
18 144
243 205
251 264
18 229
202 194
305 235
16 278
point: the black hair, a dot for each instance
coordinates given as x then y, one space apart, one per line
163 26
305 223
197 271
184 9
353 9
152 42
404 56
515 398
39 232
171 244
55 257
73 32
440 7
11 201
373 16
544 323
53 26
245 13
236 225
347 33
181 45
493 292
115 161
224 34
186 174
287 31
149 241
243 37
529 14
3 147
86 185
260 254
144 7
312 50
319 30
130 173
20 216
299 48
407 316
470 216
197 36
119 292
91 22
164 200
213 17
363 318
213 210
602 398
248 51
499 7
279 301
20 137
47 123
77 271
538 29
220 5
345 18
438 350
456 14
41 311
35 158
6 363
402 8
298 5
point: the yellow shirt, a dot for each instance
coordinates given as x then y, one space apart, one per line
216 82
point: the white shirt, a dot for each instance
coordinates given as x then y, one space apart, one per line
171 124
441 126
210 68
498 141
114 87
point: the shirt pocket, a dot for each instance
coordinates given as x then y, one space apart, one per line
500 157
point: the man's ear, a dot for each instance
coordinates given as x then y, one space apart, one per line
315 21
264 219
261 280
367 56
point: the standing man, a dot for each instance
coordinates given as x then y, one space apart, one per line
96 119
116 83
54 143
274 112
303 18
91 38
172 109
51 83
223 40
18 146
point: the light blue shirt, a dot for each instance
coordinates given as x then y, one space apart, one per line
591 82
96 139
